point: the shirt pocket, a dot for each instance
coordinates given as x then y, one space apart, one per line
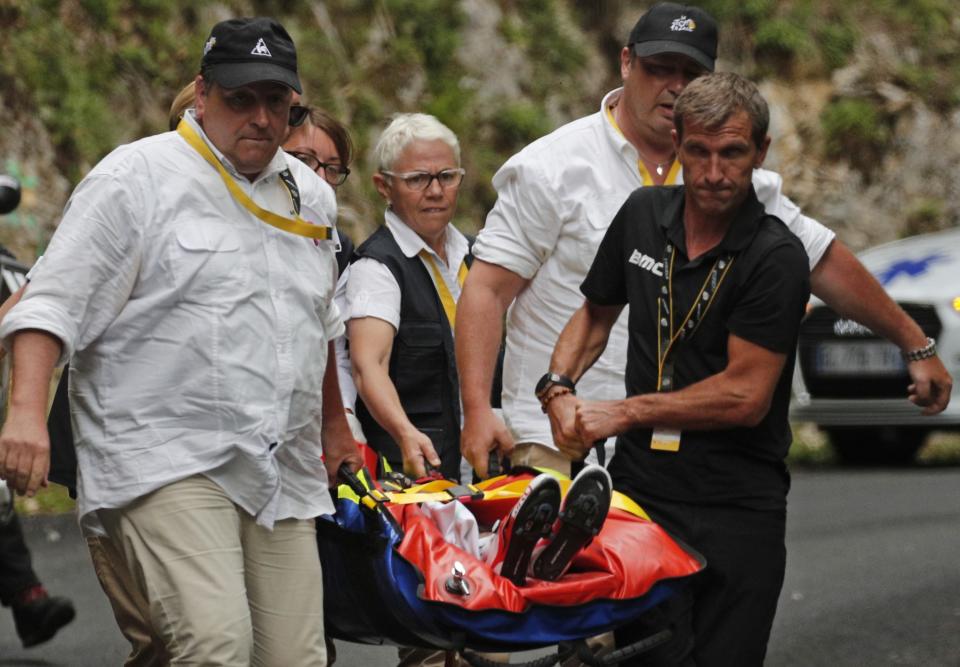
208 264
596 213
311 272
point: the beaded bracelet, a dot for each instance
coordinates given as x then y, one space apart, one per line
549 397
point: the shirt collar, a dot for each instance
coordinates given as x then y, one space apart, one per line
277 163
620 143
744 227
411 244
612 132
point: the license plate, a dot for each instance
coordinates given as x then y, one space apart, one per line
858 358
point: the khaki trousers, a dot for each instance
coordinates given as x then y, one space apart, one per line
130 609
219 589
535 455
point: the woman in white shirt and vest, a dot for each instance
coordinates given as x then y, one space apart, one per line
401 301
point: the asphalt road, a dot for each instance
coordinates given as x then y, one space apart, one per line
872 579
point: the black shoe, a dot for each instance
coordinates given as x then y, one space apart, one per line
584 511
530 520
38 617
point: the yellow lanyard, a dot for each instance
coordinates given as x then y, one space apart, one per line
666 337
446 299
645 176
296 225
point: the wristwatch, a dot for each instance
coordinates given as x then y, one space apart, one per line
921 353
551 379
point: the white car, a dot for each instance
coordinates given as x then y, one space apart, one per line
853 384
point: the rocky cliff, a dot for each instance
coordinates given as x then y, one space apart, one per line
865 96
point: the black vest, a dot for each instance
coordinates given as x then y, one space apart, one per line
422 362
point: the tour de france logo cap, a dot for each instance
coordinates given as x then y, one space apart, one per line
246 50
671 28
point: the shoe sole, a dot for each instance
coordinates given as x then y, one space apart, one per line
580 520
533 522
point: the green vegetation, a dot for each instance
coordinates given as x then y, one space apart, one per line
54 499
855 129
97 73
925 215
810 449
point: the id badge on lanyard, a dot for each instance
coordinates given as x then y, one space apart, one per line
666 439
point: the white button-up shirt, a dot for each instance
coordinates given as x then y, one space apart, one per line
555 199
372 291
197 334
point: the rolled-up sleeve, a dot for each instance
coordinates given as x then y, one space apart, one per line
89 269
816 238
522 229
372 291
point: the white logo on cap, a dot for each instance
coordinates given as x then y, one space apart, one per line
261 49
683 24
209 45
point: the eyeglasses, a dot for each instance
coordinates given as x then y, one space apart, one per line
421 180
298 114
334 174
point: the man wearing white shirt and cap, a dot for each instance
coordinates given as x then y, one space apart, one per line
190 284
555 200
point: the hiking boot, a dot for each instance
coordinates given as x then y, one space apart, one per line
38 617
584 511
531 519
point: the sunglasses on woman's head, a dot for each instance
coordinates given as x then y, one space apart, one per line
298 114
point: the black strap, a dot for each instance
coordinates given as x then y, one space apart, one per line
287 178
669 338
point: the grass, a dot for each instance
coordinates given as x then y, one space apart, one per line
810 449
52 500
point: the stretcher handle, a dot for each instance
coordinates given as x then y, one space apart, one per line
580 649
601 451
348 477
588 657
496 465
598 447
367 498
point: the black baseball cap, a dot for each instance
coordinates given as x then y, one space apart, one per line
246 50
671 28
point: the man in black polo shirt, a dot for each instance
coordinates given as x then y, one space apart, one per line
716 289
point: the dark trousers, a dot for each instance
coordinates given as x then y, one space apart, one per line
16 571
724 616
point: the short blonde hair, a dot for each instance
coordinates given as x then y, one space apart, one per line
184 100
404 129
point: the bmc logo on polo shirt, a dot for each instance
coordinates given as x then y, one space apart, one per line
647 263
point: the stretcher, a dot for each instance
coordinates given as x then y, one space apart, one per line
391 578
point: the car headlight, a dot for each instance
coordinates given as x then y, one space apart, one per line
956 304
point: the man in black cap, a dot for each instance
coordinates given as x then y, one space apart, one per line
190 284
555 199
